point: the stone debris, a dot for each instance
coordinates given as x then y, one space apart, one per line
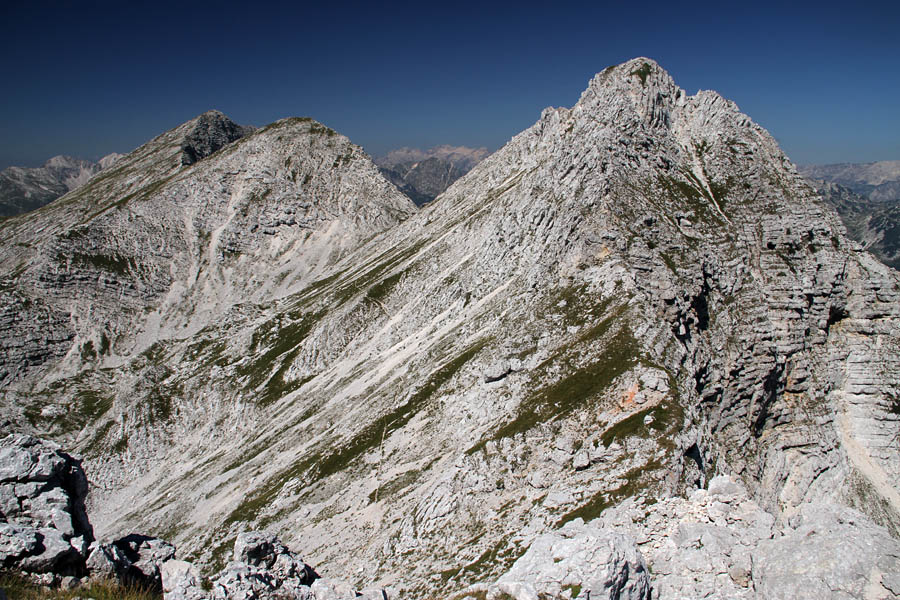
720 544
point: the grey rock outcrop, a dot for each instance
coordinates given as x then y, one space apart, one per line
262 569
579 561
44 527
697 547
43 523
133 559
719 543
211 131
828 551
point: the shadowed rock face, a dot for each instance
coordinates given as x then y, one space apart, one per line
633 296
211 131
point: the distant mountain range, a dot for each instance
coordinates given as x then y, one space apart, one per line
867 197
24 189
424 174
879 181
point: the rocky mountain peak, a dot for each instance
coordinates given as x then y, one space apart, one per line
632 298
207 133
640 86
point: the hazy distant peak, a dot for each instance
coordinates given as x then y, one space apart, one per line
66 162
109 160
873 173
460 156
880 181
423 174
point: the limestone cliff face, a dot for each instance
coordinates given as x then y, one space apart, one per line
635 294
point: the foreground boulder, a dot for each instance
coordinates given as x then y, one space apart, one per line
134 560
828 551
44 527
43 523
579 561
718 543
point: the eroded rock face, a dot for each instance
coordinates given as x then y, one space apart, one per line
43 524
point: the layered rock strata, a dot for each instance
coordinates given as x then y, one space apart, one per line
633 296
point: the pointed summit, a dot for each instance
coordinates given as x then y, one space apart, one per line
639 85
209 132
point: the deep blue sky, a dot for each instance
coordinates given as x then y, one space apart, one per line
88 78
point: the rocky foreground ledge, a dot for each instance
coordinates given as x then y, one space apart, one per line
717 543
45 535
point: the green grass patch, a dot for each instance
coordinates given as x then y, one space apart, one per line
99 436
495 559
378 268
384 287
576 389
398 484
284 340
121 445
18 587
633 425
636 481
112 263
92 404
669 262
220 555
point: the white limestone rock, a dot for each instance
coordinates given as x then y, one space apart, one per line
579 561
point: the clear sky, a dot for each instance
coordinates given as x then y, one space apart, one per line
88 78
